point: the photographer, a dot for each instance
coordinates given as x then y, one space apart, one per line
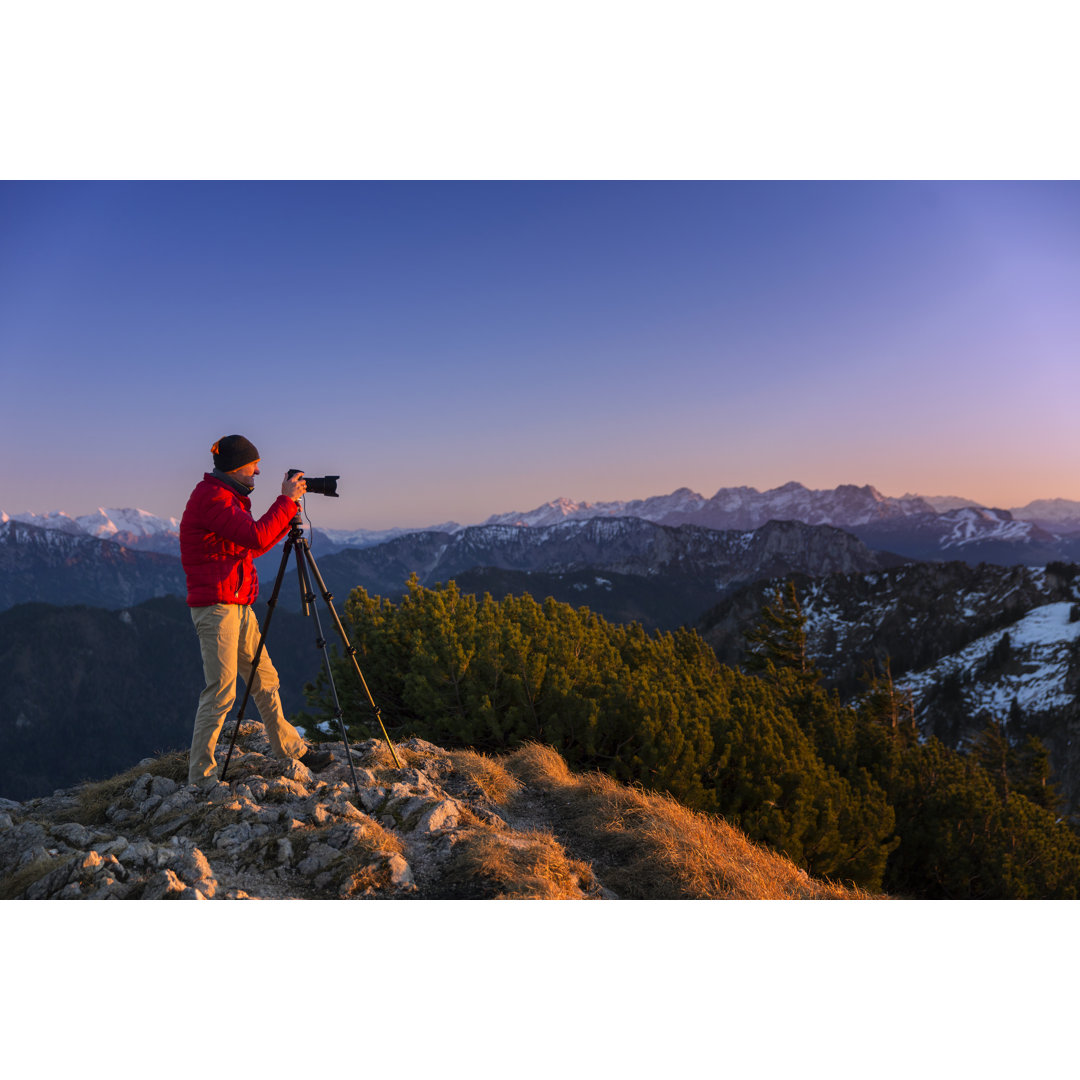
219 541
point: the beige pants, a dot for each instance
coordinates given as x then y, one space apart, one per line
228 637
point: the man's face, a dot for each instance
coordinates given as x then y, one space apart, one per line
247 472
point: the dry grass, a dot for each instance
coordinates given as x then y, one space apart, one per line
540 766
520 865
95 798
380 760
485 776
648 846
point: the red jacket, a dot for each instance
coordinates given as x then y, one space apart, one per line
219 540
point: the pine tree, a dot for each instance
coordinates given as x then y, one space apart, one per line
991 750
777 646
1031 774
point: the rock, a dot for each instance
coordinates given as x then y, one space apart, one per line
400 874
253 789
33 854
78 876
164 885
168 827
407 811
191 866
319 856
233 836
372 798
293 770
78 836
139 854
443 815
113 846
339 806
281 789
180 799
27 834
120 815
346 834
490 817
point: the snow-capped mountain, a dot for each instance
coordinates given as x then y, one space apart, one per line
734 508
1054 515
658 508
970 524
340 539
916 526
143 531
136 529
102 523
974 534
941 503
56 566
922 528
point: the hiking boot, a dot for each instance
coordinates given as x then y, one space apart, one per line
317 760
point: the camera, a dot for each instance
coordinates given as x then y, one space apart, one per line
319 485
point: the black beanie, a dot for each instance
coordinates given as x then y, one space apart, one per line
233 452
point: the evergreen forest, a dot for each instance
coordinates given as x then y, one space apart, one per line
849 791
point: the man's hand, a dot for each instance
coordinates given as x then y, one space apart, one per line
295 487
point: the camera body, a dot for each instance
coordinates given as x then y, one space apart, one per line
319 485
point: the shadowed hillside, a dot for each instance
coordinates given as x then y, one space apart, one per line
87 691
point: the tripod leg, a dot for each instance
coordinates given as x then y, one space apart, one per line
271 603
320 642
349 648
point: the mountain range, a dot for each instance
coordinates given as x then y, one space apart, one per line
920 527
685 567
912 525
688 564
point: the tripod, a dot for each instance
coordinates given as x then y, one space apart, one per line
305 561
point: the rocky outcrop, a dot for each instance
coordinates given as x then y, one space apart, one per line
273 830
443 825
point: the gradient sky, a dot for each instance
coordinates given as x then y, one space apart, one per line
455 350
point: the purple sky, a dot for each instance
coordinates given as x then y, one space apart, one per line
455 350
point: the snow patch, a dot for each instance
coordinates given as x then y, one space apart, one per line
1042 644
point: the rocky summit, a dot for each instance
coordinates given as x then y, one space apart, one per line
436 824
